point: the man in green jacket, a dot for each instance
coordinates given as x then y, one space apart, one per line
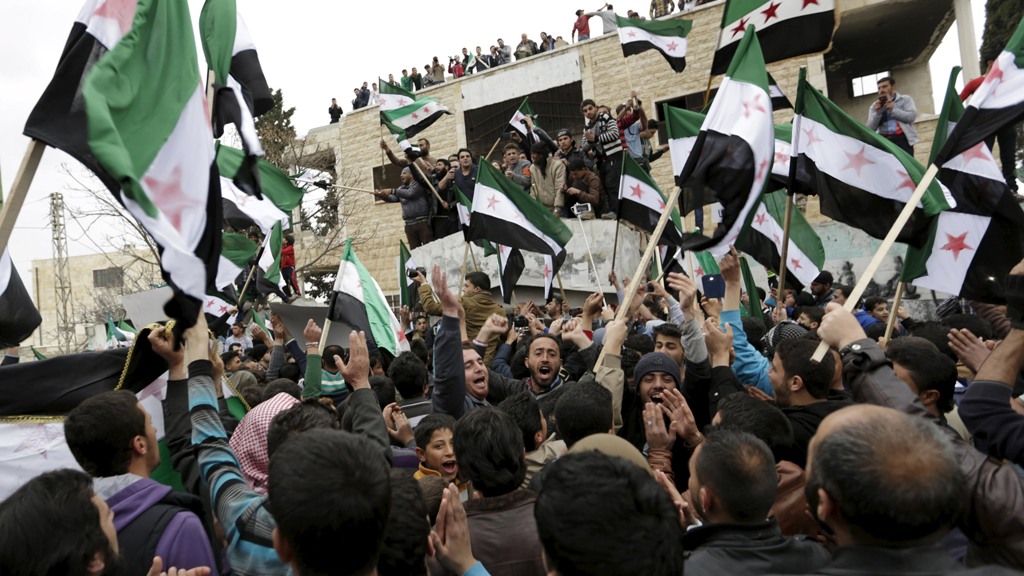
476 300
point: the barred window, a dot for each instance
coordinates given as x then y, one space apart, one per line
108 278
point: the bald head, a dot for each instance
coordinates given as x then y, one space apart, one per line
879 476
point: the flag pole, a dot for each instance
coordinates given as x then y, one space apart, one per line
644 262
615 245
19 190
472 255
211 77
465 256
425 179
896 299
883 250
241 298
784 251
351 188
560 289
661 269
593 264
491 151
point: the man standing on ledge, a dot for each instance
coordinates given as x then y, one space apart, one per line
893 115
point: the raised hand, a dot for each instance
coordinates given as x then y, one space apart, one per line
281 334
449 301
719 342
165 347
970 349
357 370
450 538
495 324
683 423
839 327
687 288
658 436
730 266
312 332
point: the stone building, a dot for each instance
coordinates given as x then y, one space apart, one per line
874 38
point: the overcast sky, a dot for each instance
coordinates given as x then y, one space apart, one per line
313 50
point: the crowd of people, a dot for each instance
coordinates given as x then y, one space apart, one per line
471 61
683 434
564 176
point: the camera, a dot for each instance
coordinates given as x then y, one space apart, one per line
580 209
650 286
413 272
520 321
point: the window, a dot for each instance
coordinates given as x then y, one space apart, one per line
395 302
108 278
866 85
556 108
692 102
387 176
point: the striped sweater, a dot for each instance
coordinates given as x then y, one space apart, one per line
607 141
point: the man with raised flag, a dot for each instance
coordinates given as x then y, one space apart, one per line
861 178
358 302
146 133
642 203
665 36
241 91
787 28
733 153
405 111
973 246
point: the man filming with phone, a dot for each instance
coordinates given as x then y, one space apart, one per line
893 115
581 187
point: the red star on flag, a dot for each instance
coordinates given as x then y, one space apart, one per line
223 309
632 34
383 101
672 46
209 304
777 239
742 27
492 201
811 138
661 204
760 218
426 108
38 438
781 158
808 3
401 101
168 196
637 191
905 181
975 153
121 11
754 106
699 272
996 73
414 116
857 161
956 244
771 12
795 263
760 169
547 271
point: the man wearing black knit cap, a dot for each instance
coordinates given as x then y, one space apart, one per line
822 290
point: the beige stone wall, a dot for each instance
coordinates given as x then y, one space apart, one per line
605 78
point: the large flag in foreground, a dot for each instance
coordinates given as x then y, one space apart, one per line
763 241
972 247
862 179
241 89
665 36
787 28
642 203
59 118
18 316
358 301
504 213
148 128
733 153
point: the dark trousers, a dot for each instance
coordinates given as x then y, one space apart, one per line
903 143
611 172
1007 138
418 234
445 225
289 280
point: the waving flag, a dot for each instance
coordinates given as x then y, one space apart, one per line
236 252
762 240
642 203
400 137
787 28
407 113
278 188
393 97
733 153
241 91
862 179
18 315
524 111
270 277
665 36
706 264
972 247
358 301
406 263
779 100
510 267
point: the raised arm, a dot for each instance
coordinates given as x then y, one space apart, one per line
751 366
311 387
449 375
363 409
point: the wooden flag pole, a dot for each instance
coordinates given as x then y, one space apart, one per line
615 244
896 299
472 255
241 297
661 268
560 289
883 250
210 79
784 251
644 262
465 256
19 190
491 151
351 188
427 180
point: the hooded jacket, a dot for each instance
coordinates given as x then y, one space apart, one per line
145 510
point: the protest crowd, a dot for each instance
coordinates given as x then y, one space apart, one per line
689 421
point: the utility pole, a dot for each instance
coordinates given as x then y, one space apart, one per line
62 276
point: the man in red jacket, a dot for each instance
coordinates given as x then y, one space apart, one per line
288 265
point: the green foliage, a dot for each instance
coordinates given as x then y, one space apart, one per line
1001 20
276 131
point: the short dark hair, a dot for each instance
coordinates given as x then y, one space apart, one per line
252 395
330 352
282 385
815 313
511 146
930 370
526 413
876 331
935 333
479 279
257 352
429 424
871 303
795 354
467 151
582 410
376 358
419 348
740 469
489 450
894 477
383 389
309 414
755 330
641 343
50 526
581 492
889 79
976 324
291 372
408 374
405 538
846 290
289 239
587 102
667 329
740 411
329 486
100 431
433 492
540 336
227 357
